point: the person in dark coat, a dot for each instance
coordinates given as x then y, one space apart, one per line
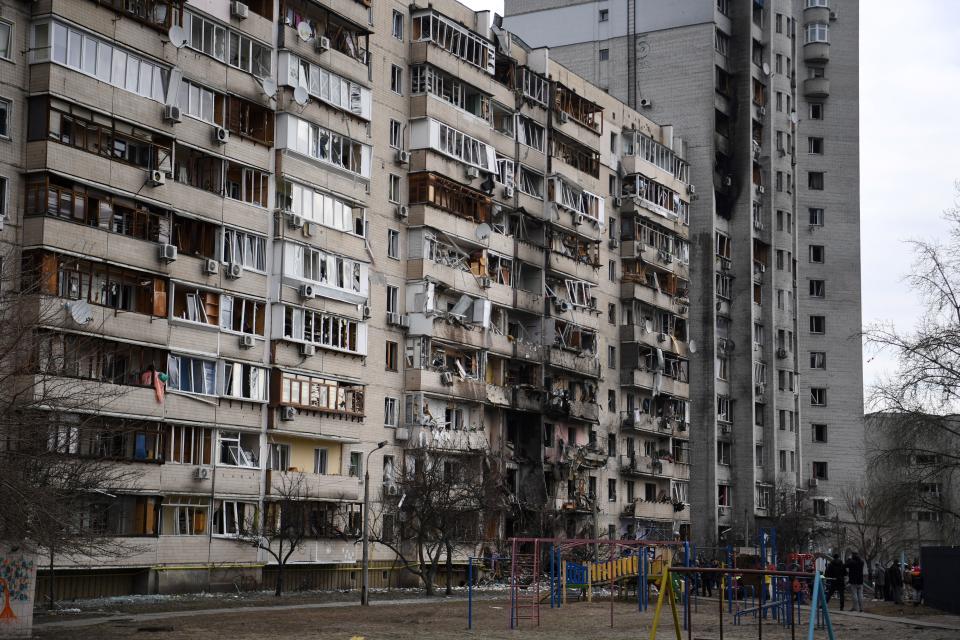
895 580
854 569
834 573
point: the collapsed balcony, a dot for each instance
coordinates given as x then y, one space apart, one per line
653 368
443 368
675 290
513 383
571 398
646 323
661 414
575 247
443 424
450 196
585 112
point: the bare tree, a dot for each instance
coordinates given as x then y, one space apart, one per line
284 525
792 516
55 480
922 396
440 506
875 517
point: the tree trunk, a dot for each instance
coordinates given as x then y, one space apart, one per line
50 583
449 569
279 590
427 577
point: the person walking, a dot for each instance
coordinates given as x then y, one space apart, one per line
854 569
918 587
834 573
879 582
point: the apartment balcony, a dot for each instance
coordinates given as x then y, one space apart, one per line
818 52
433 382
639 333
637 164
459 280
816 14
519 397
331 59
429 53
574 269
816 87
636 291
639 422
315 485
587 364
639 465
447 440
648 380
649 510
317 425
635 249
589 456
562 408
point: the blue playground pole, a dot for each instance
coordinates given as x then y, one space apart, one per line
470 592
641 552
730 585
686 585
553 581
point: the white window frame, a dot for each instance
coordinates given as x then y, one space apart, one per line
393 244
7 107
391 412
396 25
234 375
250 247
177 373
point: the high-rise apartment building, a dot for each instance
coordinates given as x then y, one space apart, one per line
766 95
331 225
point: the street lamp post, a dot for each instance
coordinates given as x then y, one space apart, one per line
365 572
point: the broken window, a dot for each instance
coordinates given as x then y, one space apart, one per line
530 182
451 196
191 375
321 394
238 449
464 148
325 330
668 246
198 169
200 102
430 26
89 358
244 248
99 284
505 171
504 119
425 78
241 315
530 133
500 269
307 263
575 247
534 86
194 237
195 305
576 155
188 445
233 517
244 381
246 184
579 108
325 146
184 516
573 337
656 197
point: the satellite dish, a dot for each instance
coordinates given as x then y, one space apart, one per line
692 346
301 96
80 311
483 231
269 87
304 31
794 118
766 69
177 36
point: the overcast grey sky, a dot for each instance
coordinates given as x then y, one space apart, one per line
910 135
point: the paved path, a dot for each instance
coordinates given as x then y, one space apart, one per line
918 622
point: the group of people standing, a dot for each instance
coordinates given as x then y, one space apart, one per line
851 571
888 582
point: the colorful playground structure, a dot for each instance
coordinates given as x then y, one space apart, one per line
553 573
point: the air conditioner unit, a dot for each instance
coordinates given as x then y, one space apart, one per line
446 378
391 489
402 156
645 103
402 211
472 173
307 291
691 189
401 433
247 342
577 219
288 413
202 473
508 192
781 353
617 202
211 267
168 252
812 483
171 113
239 10
563 117
307 350
613 243
760 189
563 306
234 270
366 311
220 135
762 110
156 178
321 44
393 319
728 181
405 322
294 221
485 282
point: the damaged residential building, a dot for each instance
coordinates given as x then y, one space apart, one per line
282 231
767 102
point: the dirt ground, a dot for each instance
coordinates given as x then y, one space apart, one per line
436 619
